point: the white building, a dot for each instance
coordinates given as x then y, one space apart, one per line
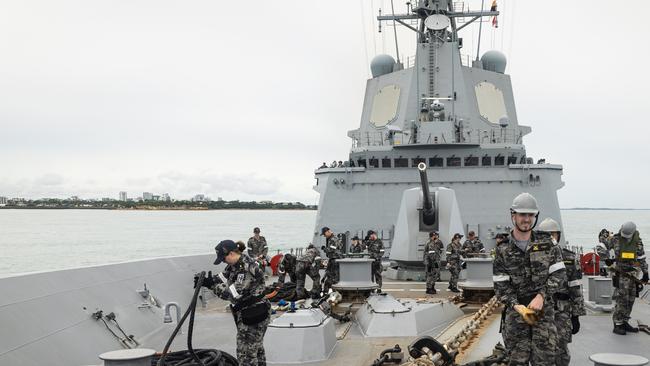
147 196
200 198
166 198
123 196
3 201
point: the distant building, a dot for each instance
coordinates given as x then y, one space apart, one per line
3 201
266 202
156 197
166 198
74 198
198 198
147 196
123 196
219 199
106 199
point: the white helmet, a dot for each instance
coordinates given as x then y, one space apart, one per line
549 225
628 229
524 203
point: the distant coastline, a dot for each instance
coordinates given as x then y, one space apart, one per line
56 204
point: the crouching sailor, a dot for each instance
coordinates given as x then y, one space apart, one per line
242 283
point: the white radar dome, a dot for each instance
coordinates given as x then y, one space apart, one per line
382 65
494 61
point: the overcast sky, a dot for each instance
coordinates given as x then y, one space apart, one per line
243 99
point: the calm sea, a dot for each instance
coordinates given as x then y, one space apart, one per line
44 240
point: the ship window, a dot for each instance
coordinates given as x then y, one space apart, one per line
499 160
471 161
486 161
373 163
512 160
386 163
453 161
401 163
437 162
417 161
361 163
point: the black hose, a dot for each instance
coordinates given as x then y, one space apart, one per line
191 357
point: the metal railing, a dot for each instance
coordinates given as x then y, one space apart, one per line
495 135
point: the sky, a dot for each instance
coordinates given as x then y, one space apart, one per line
243 100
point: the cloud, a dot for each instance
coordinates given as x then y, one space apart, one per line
48 180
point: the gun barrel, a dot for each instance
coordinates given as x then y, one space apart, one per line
428 213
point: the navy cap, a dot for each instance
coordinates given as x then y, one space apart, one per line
356 238
222 249
433 233
324 230
256 230
370 232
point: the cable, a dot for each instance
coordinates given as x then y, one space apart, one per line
191 357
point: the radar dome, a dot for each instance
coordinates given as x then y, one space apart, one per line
494 61
382 65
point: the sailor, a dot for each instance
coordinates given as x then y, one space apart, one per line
454 252
432 253
308 264
603 249
257 247
630 259
569 302
501 238
287 266
527 272
355 245
323 166
472 245
242 283
376 250
332 250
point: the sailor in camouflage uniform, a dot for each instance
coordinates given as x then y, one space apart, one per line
630 258
432 253
569 302
333 252
308 264
257 247
603 249
376 250
527 272
454 252
242 283
287 266
356 246
472 245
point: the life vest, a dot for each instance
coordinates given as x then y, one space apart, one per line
628 247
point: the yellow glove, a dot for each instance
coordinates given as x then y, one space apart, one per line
530 316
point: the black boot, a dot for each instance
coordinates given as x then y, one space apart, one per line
629 328
455 289
619 329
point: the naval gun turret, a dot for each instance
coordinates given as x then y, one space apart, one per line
422 210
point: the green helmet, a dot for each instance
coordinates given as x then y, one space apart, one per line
524 203
549 225
628 229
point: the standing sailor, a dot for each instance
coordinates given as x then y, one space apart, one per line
432 253
376 250
603 249
630 258
332 250
257 247
472 245
308 264
569 302
356 246
454 252
527 272
242 283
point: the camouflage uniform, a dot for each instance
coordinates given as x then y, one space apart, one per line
569 303
287 266
257 247
432 252
471 246
356 248
603 249
518 277
244 287
454 251
625 292
376 251
308 264
333 252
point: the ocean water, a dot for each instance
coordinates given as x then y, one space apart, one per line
45 240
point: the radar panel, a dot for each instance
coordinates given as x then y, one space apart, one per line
490 101
384 105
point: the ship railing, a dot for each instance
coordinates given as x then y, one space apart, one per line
496 135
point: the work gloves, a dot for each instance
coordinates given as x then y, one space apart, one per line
530 316
575 322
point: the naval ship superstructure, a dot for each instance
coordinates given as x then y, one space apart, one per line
460 120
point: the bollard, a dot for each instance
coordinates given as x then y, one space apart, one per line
128 357
617 359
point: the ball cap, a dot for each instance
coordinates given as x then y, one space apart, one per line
324 230
256 230
370 232
356 238
222 249
433 233
457 235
